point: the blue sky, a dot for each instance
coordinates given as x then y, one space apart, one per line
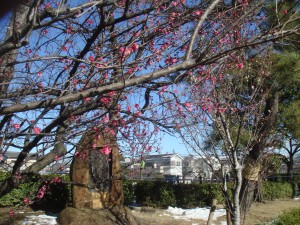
170 143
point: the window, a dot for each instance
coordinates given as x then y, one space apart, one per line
178 163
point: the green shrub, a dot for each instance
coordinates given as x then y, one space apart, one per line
128 190
275 190
4 175
155 193
289 218
161 194
16 196
28 189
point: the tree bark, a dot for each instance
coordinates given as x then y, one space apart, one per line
252 163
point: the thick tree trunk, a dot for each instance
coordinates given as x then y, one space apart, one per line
12 40
252 165
247 196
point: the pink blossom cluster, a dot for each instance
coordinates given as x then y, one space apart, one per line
106 150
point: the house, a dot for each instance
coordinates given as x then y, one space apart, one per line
197 168
168 166
9 158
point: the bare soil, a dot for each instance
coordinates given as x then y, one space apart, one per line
259 212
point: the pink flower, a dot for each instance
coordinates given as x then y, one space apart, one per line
57 157
198 13
105 150
105 100
41 192
91 58
1 157
285 12
126 51
90 22
26 201
75 82
17 175
16 126
135 47
111 93
139 113
240 65
64 48
11 213
37 130
56 180
48 5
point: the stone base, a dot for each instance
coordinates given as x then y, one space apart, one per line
84 216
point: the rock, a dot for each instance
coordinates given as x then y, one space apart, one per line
115 216
91 173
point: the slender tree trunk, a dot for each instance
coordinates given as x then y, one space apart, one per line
290 167
236 200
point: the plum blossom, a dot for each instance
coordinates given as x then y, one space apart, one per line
37 130
106 150
105 100
16 126
56 180
26 201
12 213
240 65
41 192
91 58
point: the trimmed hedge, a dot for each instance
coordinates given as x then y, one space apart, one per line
156 193
162 194
274 190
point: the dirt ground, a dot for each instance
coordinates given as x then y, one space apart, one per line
259 212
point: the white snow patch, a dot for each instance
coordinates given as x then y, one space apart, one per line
197 213
40 220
